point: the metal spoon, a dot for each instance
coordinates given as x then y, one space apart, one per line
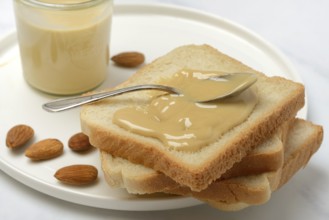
68 103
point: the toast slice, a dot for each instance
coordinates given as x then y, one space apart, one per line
279 100
303 140
138 179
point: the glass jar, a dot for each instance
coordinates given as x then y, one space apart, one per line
64 44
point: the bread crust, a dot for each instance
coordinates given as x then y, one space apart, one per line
268 115
298 152
256 190
303 140
265 158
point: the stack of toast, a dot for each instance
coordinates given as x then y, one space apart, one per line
241 168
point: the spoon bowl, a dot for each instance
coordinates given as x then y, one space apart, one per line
72 102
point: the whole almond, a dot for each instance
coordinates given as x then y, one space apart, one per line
19 135
45 149
129 59
79 142
77 174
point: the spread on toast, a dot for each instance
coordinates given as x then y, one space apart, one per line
183 124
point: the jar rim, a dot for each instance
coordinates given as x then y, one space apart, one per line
62 6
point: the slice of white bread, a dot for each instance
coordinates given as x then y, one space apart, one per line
303 140
279 100
138 179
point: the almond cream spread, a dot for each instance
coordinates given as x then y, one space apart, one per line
64 52
182 124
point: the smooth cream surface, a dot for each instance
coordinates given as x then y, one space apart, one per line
64 52
183 124
64 1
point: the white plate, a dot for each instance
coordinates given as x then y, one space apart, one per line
151 29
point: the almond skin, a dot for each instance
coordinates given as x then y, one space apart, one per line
128 59
19 135
77 174
45 149
79 142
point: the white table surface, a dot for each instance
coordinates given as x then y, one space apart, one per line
299 28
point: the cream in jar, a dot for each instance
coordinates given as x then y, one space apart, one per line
64 45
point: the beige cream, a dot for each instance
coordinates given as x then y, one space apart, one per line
182 124
64 1
64 51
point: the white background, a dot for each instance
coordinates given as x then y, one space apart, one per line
299 28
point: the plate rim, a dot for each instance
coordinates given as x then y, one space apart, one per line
166 10
139 8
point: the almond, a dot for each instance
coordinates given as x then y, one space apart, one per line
45 149
19 135
128 59
77 174
79 142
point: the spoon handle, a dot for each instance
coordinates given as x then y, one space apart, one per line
68 103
